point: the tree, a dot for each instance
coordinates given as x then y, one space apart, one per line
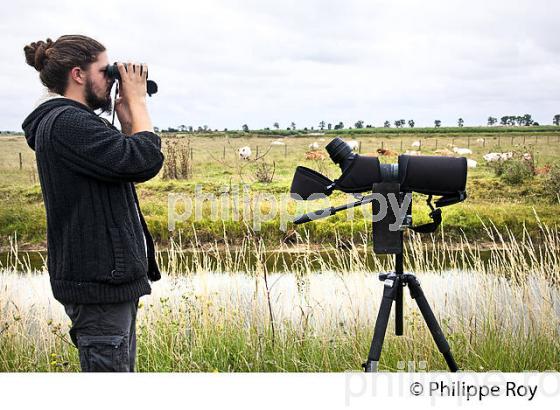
329 126
245 128
293 125
556 120
156 129
460 122
322 125
339 126
411 123
359 124
527 119
276 125
387 124
492 121
182 128
437 123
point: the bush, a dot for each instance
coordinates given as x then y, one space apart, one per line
513 171
553 182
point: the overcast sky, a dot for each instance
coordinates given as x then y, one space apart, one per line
225 63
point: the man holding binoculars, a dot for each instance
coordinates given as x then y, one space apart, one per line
101 255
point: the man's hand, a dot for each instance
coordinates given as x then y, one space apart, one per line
133 81
132 102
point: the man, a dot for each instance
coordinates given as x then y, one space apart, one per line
100 252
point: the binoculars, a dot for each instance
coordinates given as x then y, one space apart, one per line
112 72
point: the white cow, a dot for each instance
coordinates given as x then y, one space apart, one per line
314 146
480 141
462 151
355 145
492 157
277 142
416 144
497 156
471 163
244 152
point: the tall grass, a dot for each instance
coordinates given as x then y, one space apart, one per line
216 311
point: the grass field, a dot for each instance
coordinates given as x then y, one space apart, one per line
215 167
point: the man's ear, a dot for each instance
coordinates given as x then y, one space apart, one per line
78 75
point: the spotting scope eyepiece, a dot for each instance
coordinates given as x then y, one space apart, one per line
340 153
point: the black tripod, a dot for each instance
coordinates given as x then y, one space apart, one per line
390 241
387 240
393 292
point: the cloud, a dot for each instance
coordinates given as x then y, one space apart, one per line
223 64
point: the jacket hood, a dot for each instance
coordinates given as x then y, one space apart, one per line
31 123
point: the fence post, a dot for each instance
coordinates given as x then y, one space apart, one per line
420 147
382 145
469 141
401 144
512 140
436 143
524 140
191 153
20 161
257 154
224 154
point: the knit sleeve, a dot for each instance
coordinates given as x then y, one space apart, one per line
87 145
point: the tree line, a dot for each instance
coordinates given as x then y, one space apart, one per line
506 120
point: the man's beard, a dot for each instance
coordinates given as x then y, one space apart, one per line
105 104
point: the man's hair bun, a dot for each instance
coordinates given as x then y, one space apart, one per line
37 53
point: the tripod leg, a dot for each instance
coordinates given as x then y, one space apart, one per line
399 312
399 297
418 295
391 284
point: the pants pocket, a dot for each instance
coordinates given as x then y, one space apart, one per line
104 353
